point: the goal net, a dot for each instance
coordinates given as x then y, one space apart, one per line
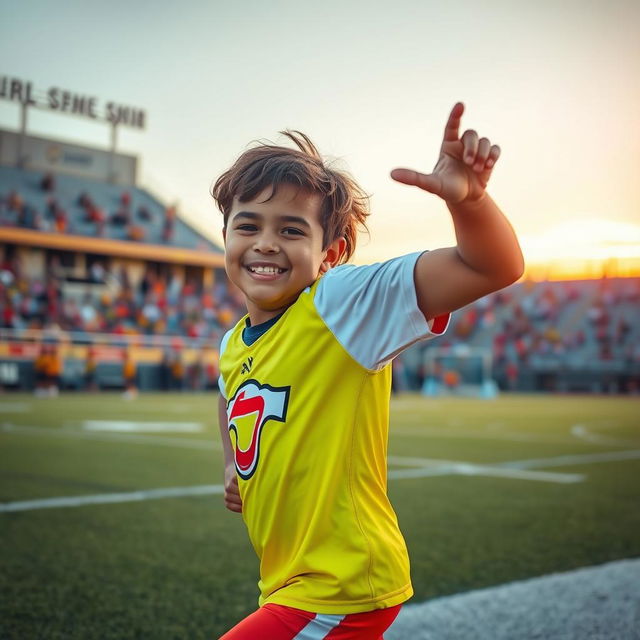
459 370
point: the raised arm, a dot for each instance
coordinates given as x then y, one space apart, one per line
487 256
232 498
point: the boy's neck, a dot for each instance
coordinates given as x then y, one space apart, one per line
259 316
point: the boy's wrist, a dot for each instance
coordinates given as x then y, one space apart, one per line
470 204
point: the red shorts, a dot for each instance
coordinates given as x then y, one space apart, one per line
277 622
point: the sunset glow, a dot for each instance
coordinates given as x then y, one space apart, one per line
582 249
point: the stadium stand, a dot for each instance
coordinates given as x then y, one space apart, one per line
93 266
157 306
85 207
99 300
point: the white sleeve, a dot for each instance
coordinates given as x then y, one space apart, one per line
223 346
373 310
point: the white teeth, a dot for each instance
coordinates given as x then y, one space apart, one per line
270 270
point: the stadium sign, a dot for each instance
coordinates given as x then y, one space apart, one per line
63 101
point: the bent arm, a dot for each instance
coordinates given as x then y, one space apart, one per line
487 258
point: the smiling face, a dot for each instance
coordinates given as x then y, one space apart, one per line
273 249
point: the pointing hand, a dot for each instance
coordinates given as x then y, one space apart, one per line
463 168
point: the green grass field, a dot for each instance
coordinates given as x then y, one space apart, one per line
486 492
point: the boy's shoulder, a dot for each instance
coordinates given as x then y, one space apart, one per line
374 284
372 310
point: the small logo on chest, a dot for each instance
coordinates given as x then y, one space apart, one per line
246 366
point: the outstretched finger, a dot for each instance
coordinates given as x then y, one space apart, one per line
452 128
426 182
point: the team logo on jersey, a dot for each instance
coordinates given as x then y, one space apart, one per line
252 406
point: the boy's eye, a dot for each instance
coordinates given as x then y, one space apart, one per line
292 231
246 227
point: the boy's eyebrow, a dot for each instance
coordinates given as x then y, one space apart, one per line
251 215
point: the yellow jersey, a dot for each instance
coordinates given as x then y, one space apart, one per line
308 416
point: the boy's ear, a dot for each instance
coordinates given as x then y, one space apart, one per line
333 254
224 233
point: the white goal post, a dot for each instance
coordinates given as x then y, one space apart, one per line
458 370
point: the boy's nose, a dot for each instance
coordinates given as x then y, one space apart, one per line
266 244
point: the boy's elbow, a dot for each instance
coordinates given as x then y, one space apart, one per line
508 274
514 267
515 273
520 268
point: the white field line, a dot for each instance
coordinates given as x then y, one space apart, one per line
427 467
445 432
131 438
178 492
573 460
111 498
423 468
129 426
493 472
581 432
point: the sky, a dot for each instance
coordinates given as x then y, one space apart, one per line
555 84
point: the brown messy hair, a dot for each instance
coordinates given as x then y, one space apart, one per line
345 205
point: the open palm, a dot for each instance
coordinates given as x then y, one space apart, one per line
463 168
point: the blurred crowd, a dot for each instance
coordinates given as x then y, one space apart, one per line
532 325
600 326
519 327
157 305
15 210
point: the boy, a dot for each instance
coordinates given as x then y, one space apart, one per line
305 376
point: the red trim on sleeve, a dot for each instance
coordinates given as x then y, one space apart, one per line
440 323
